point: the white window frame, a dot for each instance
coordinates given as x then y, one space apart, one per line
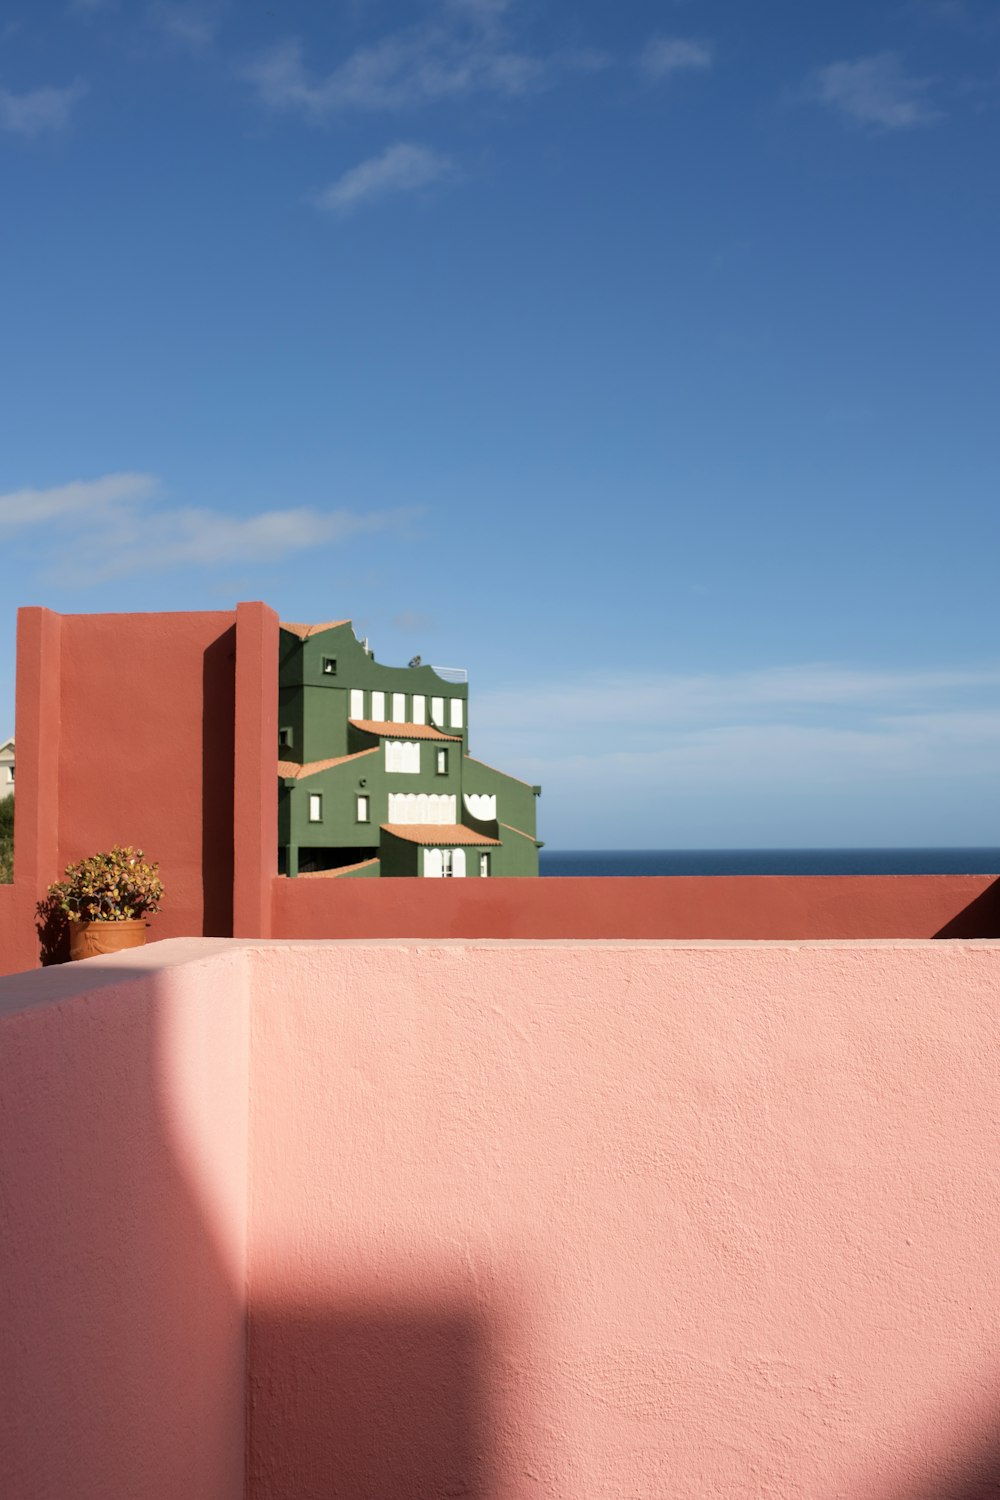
315 807
484 863
419 709
357 703
378 707
363 808
457 716
437 711
398 708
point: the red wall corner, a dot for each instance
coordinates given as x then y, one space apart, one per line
38 726
255 780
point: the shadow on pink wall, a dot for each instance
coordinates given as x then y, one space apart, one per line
387 1397
126 1368
127 1155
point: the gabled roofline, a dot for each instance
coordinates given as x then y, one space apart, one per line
498 771
305 631
290 770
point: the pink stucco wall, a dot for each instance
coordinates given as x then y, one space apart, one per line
123 1172
514 1219
604 1220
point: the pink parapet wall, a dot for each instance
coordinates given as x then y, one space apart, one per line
604 1220
123 1179
588 1220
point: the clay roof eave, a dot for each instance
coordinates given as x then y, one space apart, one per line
389 731
291 770
439 833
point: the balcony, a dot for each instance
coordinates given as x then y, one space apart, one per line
426 1218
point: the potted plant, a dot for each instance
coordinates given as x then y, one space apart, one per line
106 900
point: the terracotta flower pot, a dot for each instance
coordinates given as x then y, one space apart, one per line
89 939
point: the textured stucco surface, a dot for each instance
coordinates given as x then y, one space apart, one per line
123 1171
514 1219
625 1220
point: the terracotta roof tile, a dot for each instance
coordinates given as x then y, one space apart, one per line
403 731
437 833
330 874
291 770
305 631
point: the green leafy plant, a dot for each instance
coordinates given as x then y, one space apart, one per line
6 840
114 887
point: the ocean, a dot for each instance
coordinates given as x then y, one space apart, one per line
770 862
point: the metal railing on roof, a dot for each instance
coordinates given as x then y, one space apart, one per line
452 674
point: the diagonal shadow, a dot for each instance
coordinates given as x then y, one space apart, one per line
980 919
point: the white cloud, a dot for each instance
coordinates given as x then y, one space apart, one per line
597 706
122 524
665 55
797 754
39 109
402 168
464 52
191 25
82 501
873 90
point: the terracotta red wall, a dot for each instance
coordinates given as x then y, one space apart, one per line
146 745
8 922
714 906
127 731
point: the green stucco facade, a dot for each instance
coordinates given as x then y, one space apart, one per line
374 765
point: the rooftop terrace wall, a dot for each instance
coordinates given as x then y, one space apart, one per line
714 906
585 1219
160 730
123 1178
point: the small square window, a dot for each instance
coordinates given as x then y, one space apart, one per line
315 807
329 666
441 763
285 738
363 814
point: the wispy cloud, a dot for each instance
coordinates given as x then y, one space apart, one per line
873 90
39 110
123 524
82 499
402 168
191 25
687 755
663 56
465 49
675 701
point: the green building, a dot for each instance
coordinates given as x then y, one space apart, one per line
375 775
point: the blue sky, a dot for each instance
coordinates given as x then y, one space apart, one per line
642 360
